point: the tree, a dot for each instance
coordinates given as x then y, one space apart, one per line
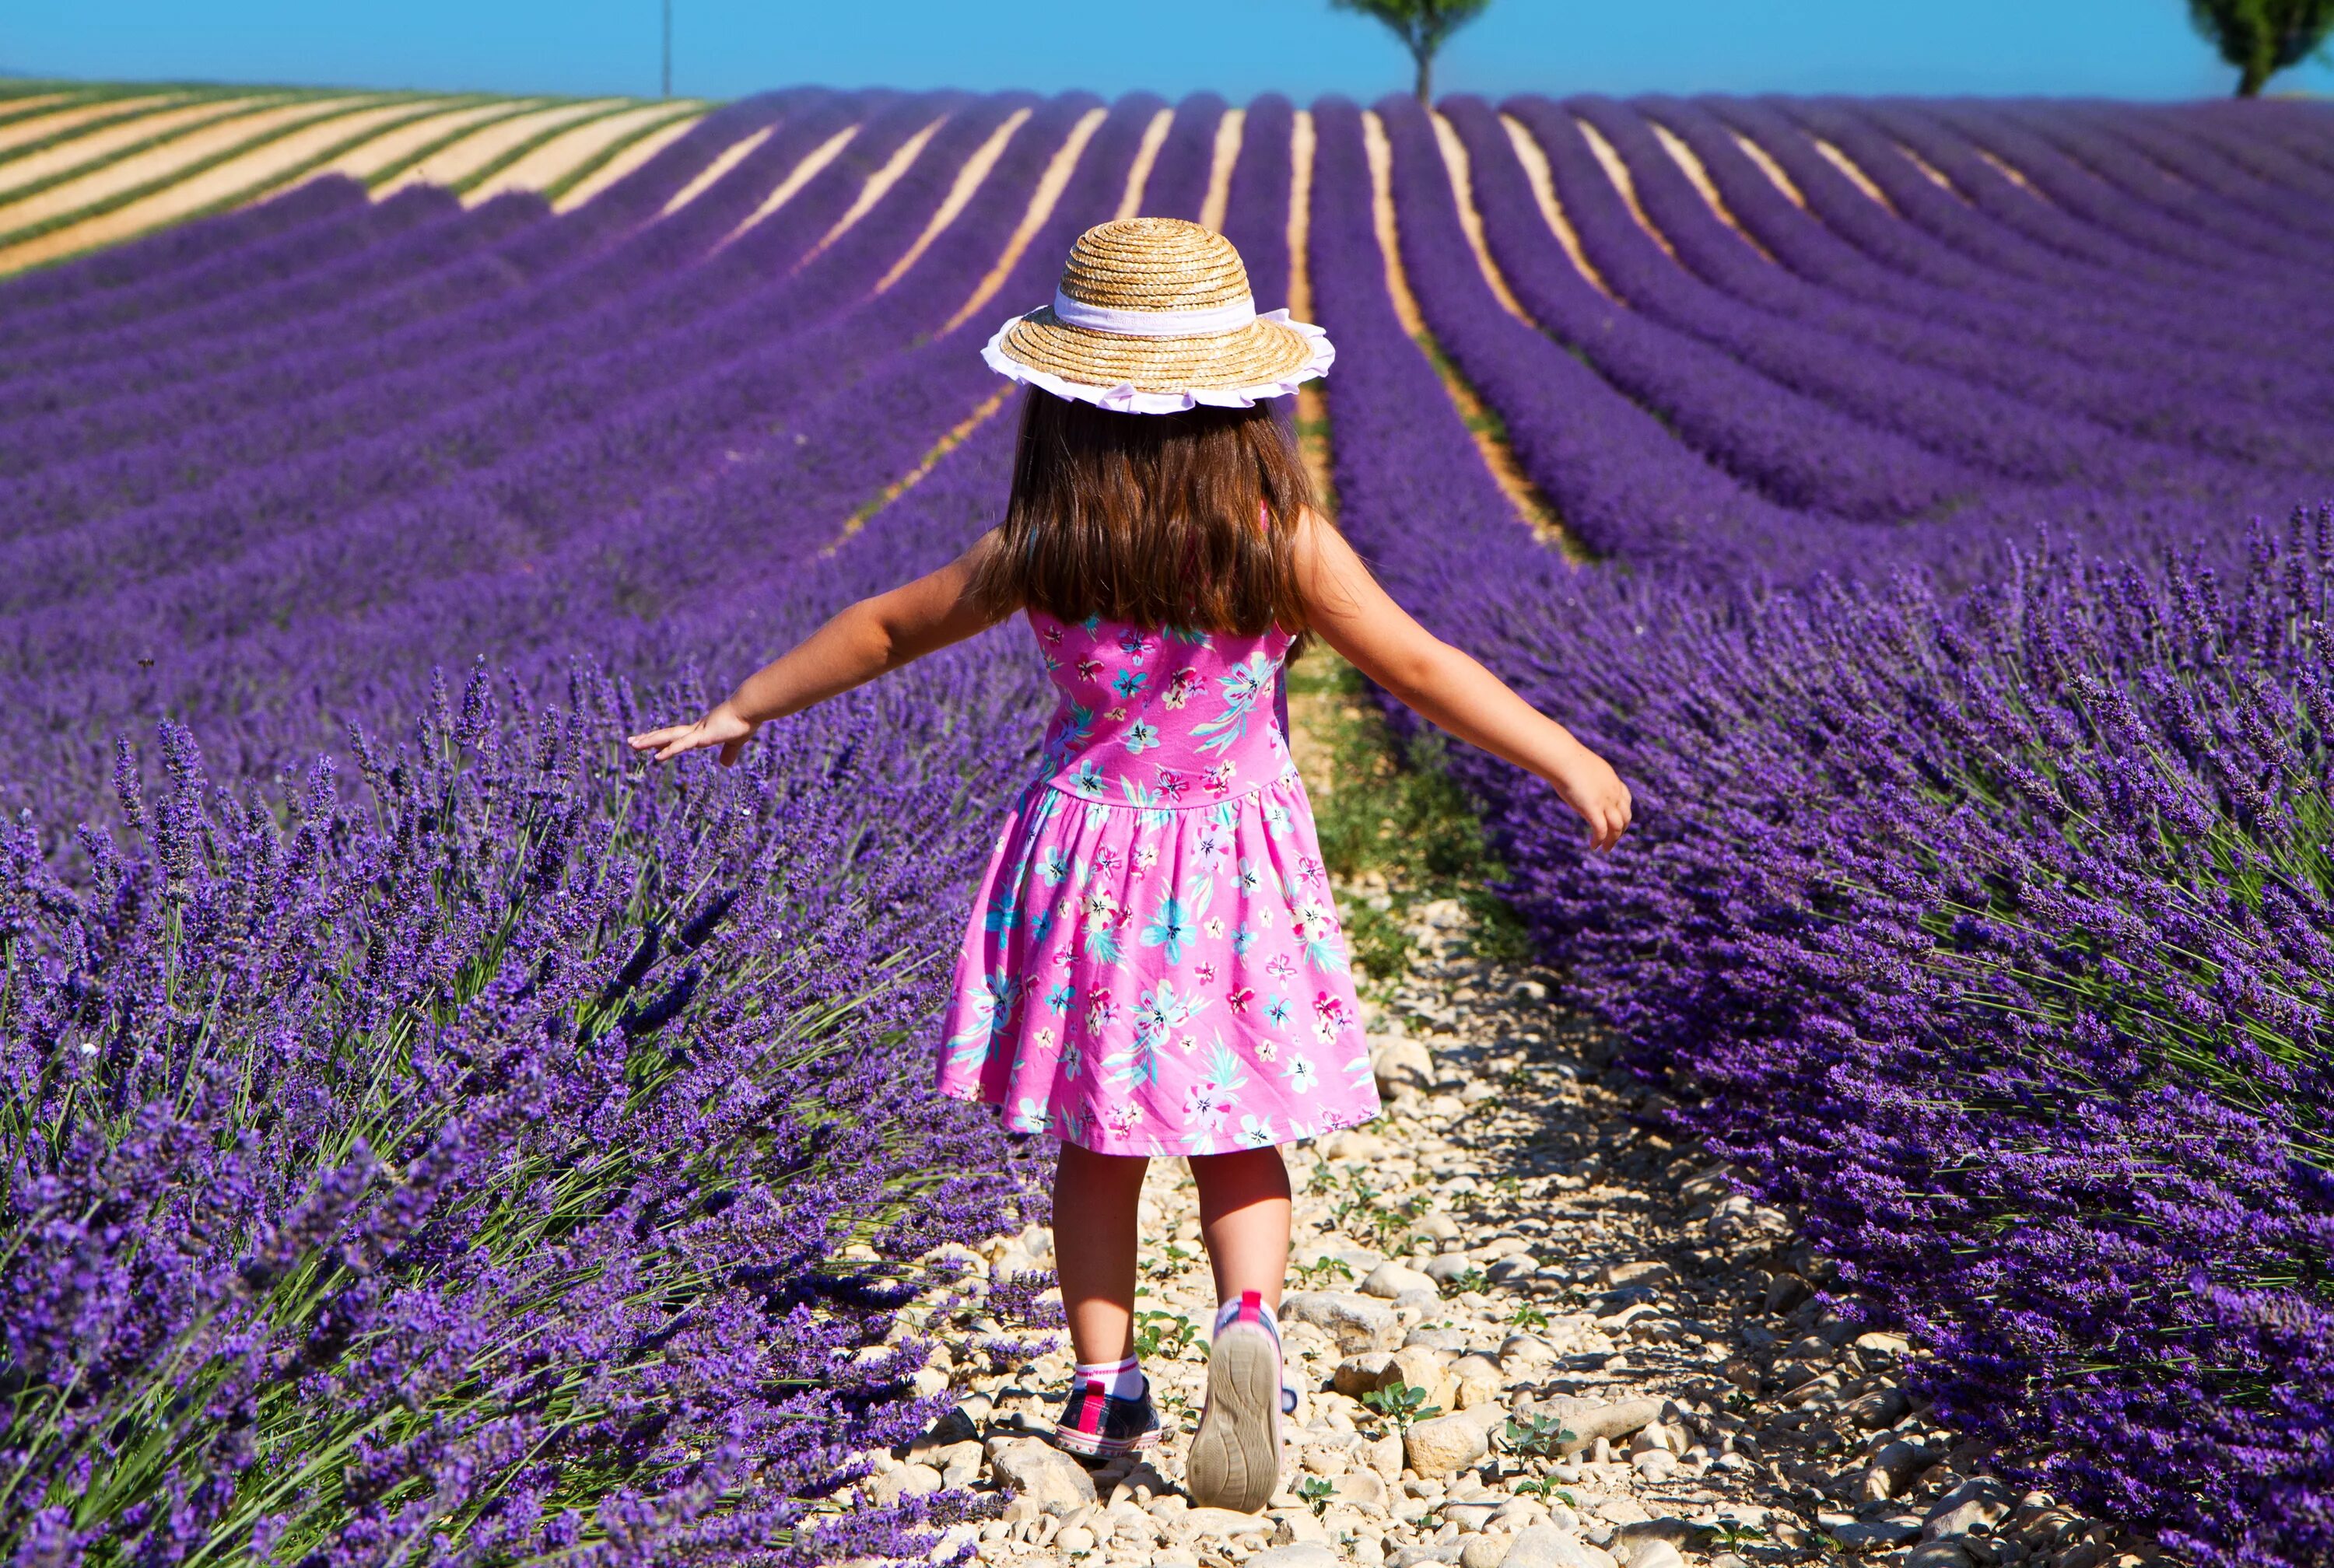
1423 26
2263 37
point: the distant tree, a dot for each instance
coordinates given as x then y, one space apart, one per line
1423 26
2263 37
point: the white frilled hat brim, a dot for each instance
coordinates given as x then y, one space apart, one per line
1127 399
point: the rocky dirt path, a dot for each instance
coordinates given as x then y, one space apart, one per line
1532 1331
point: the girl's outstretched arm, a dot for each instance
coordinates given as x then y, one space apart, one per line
860 642
1445 686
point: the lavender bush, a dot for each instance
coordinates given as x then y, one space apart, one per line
456 1171
492 1202
430 1138
1991 928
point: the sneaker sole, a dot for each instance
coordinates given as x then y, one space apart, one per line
1235 1460
1089 1447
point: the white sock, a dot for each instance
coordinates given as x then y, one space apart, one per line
1119 1380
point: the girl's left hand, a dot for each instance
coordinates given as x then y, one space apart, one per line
723 727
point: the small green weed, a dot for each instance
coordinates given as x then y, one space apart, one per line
1539 1436
1311 1275
1545 1488
1162 1335
1389 1226
1326 1176
1466 1280
1402 1405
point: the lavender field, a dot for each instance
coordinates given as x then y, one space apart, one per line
430 1138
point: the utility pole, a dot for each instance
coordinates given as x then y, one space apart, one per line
667 48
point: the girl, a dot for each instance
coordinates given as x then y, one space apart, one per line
1153 964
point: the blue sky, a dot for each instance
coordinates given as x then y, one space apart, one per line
722 48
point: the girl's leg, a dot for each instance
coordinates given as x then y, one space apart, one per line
1244 1220
1094 1195
1235 1456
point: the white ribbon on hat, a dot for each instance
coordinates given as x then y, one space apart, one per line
1204 323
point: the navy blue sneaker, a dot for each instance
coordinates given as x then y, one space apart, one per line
1097 1425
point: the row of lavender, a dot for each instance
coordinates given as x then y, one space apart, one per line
449 1154
1991 925
266 471
1801 393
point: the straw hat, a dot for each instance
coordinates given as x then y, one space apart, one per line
1152 316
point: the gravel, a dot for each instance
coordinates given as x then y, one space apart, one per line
1632 1361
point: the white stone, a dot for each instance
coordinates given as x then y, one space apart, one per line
1620 1510
1447 1443
1975 1505
1645 1272
1470 1513
1518 1513
1939 1554
1526 1350
1650 1551
1546 1546
1327 1461
1301 1555
1361 1375
1485 1551
904 1481
958 1463
1421 1367
1293 1526
1585 1425
1355 1322
1398 1062
1389 1280
1224 1524
1661 1435
1880 1408
1447 1267
1476 1368
1037 1469
1436 1225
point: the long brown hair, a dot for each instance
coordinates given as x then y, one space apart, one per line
1185 520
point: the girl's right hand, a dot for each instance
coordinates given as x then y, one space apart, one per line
723 726
1588 784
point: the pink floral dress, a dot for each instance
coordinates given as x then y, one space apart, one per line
1154 963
